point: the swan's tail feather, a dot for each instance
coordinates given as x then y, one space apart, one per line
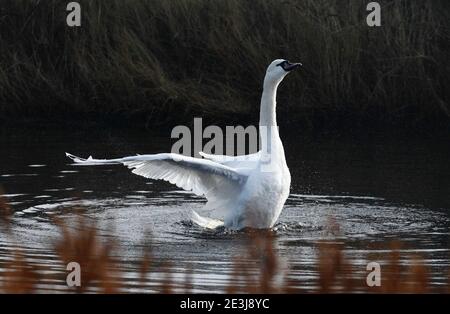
205 222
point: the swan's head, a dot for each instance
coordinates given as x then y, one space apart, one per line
278 69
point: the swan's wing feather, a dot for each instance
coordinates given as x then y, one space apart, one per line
244 161
202 177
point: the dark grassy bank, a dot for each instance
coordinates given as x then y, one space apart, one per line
161 62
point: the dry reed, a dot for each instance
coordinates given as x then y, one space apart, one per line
167 60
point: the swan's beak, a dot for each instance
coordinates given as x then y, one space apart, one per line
291 66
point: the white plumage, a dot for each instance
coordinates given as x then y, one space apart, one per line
245 191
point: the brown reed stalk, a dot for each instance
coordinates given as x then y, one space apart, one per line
84 246
19 276
5 212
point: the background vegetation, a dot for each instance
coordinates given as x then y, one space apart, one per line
164 61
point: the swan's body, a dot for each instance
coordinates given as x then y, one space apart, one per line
246 191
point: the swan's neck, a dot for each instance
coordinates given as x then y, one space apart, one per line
267 119
267 115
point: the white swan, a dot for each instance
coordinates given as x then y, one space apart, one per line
246 192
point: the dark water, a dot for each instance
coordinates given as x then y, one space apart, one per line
376 190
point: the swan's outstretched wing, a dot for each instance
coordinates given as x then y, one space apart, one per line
244 161
202 177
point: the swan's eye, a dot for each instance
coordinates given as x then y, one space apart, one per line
282 64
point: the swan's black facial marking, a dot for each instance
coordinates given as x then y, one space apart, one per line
287 66
281 64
